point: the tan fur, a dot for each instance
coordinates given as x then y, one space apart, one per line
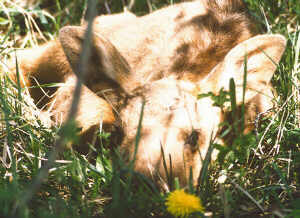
162 59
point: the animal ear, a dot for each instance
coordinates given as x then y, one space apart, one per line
261 54
105 60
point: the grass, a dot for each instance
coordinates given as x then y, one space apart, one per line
258 174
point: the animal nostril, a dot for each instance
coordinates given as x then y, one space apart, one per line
192 139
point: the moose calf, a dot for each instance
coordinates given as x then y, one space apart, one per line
163 59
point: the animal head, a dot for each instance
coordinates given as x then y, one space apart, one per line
174 119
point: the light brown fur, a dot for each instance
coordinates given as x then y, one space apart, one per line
164 58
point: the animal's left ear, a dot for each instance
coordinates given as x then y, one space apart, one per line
261 54
105 60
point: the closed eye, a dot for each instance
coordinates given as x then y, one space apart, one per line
193 139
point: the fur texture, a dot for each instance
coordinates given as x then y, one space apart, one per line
163 59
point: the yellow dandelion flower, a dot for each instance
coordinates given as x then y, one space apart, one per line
181 204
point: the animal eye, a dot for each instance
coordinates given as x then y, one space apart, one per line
192 139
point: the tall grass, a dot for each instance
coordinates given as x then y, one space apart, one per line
257 174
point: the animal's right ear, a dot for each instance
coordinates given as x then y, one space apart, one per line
105 62
261 54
